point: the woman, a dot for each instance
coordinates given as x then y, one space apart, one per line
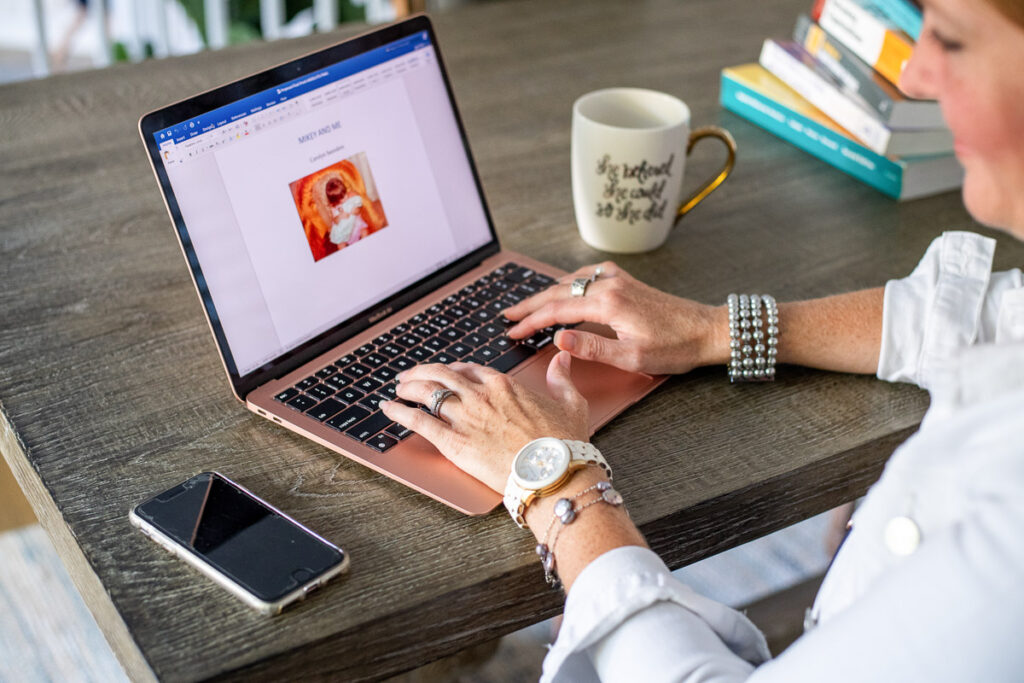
929 584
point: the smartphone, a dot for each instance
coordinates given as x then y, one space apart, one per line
249 547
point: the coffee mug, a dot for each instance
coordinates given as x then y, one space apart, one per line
629 149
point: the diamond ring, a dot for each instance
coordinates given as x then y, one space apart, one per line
437 398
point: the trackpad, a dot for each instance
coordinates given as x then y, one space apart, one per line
608 390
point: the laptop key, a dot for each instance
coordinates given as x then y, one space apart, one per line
347 359
420 354
526 289
399 330
326 372
481 315
320 391
348 417
302 402
436 343
539 340
389 392
502 343
543 281
391 350
338 381
519 274
349 395
399 431
382 339
356 370
451 299
286 395
458 349
457 311
425 331
375 360
371 402
417 319
474 340
364 349
434 309
385 374
484 356
472 304
451 334
409 340
307 383
367 385
501 285
490 330
443 358
511 358
381 442
401 364
368 427
325 409
441 321
467 324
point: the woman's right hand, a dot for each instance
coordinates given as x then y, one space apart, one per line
657 333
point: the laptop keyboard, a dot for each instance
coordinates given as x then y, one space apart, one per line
466 326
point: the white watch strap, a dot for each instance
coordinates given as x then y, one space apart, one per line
580 451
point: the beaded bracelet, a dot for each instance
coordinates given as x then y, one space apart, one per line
753 345
566 513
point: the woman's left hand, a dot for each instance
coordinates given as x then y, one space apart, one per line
491 415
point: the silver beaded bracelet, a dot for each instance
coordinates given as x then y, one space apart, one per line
753 340
566 512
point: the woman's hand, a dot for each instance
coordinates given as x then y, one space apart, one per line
657 333
491 415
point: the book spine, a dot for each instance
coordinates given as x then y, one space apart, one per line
904 14
812 137
825 96
844 65
867 35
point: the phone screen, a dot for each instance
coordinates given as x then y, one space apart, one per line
266 553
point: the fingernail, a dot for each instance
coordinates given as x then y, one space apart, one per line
398 377
566 341
565 358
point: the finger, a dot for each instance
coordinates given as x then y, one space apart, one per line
474 372
439 374
560 384
429 427
562 312
422 392
529 305
607 268
589 346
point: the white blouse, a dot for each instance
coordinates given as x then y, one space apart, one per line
929 584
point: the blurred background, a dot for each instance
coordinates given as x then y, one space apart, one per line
40 37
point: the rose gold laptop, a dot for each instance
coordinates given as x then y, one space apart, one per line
337 233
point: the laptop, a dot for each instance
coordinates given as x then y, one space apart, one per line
337 233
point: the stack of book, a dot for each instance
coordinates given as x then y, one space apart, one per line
833 91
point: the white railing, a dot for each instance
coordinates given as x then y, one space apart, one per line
162 24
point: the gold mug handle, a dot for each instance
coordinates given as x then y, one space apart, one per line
708 187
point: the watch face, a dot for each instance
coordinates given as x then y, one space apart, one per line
542 463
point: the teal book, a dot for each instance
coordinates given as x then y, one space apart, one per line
906 15
755 94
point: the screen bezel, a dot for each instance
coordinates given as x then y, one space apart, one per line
212 99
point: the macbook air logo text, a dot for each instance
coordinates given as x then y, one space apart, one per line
380 314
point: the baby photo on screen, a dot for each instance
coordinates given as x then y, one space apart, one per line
338 205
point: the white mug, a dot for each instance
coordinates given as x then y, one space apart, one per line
629 149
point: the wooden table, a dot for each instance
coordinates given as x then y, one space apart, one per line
111 387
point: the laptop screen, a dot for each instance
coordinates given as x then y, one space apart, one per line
310 202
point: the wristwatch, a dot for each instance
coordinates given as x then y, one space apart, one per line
542 467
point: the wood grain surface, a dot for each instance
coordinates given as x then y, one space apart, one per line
111 388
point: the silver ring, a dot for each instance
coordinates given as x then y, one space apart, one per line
597 273
579 286
437 398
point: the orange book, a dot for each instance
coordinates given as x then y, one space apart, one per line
860 26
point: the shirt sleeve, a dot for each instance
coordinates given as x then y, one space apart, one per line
950 612
628 619
950 301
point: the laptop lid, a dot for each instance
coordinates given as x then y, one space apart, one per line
314 198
